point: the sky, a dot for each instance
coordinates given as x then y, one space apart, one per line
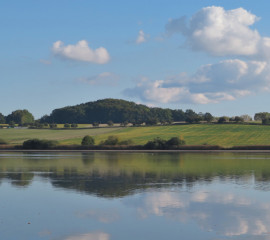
209 56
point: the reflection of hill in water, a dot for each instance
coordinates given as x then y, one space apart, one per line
120 174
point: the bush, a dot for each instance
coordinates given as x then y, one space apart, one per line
157 143
2 141
175 141
39 144
67 125
88 141
74 125
53 125
111 140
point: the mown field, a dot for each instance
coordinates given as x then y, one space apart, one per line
226 135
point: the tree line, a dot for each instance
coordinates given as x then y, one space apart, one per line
111 111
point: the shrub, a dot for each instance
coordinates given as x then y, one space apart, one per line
2 141
39 144
111 140
74 125
53 125
175 141
88 141
67 125
157 143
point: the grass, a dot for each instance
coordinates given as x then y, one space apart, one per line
225 135
64 136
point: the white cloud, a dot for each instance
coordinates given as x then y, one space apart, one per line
105 78
212 83
81 52
222 32
141 37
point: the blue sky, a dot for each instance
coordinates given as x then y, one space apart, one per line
211 56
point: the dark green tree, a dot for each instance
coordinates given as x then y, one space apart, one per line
2 119
223 119
208 117
21 117
88 141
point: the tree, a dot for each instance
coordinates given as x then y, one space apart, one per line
21 117
192 117
67 125
260 116
88 141
238 119
223 119
266 121
208 117
2 119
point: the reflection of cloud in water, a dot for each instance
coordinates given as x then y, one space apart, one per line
101 215
225 213
90 236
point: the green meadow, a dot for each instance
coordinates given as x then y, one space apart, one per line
225 135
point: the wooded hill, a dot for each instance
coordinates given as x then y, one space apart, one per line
119 111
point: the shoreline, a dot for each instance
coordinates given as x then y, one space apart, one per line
135 151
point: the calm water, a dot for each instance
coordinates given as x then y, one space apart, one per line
134 196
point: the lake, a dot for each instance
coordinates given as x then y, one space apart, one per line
134 196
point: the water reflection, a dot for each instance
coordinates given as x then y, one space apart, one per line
228 214
90 236
116 174
225 195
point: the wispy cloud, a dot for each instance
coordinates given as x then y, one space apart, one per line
105 78
46 62
141 37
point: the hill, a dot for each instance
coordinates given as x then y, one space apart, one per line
115 110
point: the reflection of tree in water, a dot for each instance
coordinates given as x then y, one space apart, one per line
120 174
20 179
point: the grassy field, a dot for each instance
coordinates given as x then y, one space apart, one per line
226 135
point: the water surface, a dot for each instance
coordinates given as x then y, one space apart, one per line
120 196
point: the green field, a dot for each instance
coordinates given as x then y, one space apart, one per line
226 135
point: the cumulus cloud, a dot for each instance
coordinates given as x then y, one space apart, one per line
141 37
81 52
211 83
222 32
105 78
